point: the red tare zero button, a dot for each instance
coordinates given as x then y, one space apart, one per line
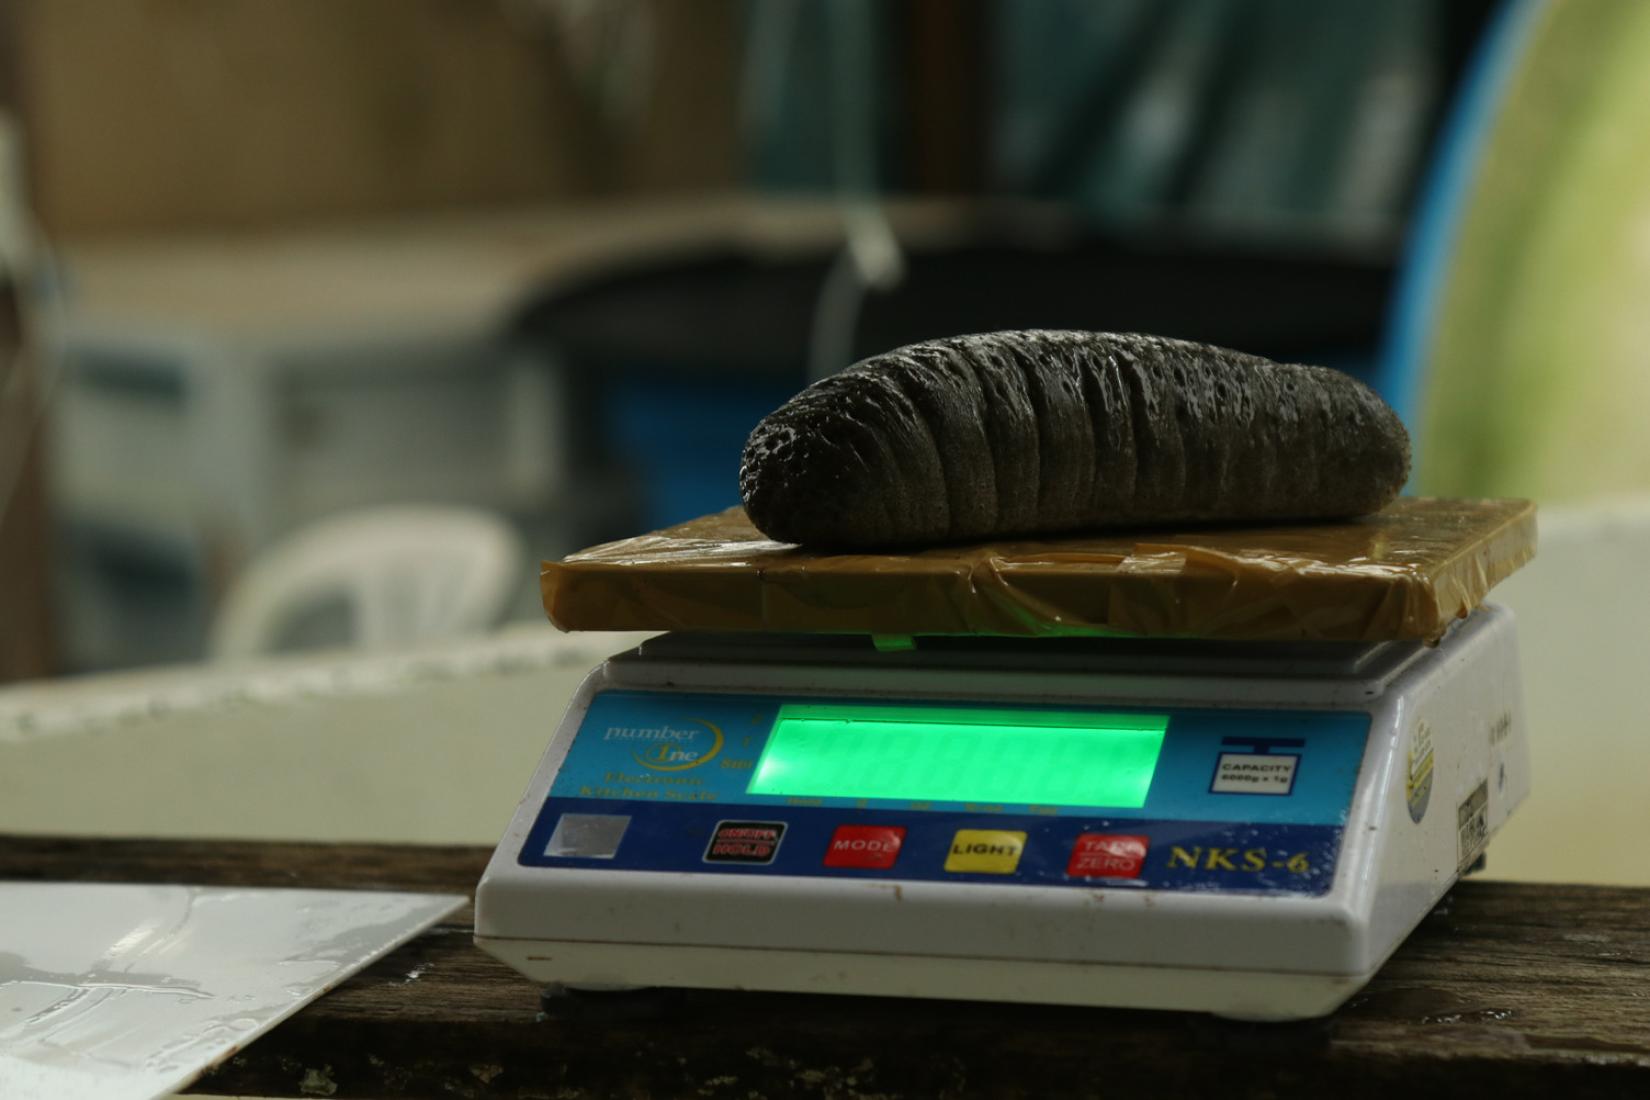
1107 855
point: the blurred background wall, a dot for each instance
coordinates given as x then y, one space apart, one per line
160 116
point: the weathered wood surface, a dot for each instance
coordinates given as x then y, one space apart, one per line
1505 990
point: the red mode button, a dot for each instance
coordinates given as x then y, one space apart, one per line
874 846
1107 855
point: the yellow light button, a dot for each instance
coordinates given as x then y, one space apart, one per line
985 851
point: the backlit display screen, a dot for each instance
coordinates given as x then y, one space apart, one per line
961 754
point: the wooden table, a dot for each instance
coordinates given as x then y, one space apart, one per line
1505 990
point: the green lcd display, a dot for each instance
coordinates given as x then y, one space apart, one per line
961 754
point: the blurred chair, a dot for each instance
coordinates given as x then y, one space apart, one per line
401 575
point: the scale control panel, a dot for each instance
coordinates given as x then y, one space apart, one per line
1208 799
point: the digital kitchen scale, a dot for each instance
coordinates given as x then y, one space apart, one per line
1248 828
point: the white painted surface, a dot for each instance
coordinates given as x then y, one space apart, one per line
1583 609
130 992
426 746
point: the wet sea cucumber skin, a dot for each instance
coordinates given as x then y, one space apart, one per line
1045 432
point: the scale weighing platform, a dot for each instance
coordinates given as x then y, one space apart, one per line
1243 828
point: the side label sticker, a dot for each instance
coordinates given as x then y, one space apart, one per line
1472 826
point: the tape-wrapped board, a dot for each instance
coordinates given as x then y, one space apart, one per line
1406 572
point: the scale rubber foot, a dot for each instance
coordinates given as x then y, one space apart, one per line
617 1003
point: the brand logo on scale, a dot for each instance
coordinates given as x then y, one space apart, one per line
1418 775
669 748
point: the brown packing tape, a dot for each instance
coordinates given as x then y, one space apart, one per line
1403 573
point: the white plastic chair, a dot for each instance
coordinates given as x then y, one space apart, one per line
405 574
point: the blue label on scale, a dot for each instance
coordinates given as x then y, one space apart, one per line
1161 798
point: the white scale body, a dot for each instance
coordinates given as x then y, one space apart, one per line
1304 807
